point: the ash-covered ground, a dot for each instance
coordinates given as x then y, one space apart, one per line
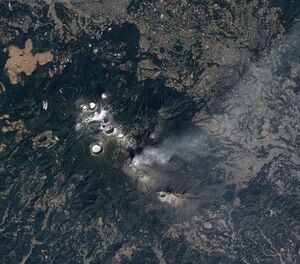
203 163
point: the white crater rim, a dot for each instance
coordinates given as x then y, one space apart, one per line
92 105
96 149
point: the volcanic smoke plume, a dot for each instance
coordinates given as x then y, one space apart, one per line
258 124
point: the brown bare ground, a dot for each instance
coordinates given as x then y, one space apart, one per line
22 60
2 147
17 126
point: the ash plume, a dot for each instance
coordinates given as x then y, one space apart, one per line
258 123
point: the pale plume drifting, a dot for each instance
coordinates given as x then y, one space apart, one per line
230 148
